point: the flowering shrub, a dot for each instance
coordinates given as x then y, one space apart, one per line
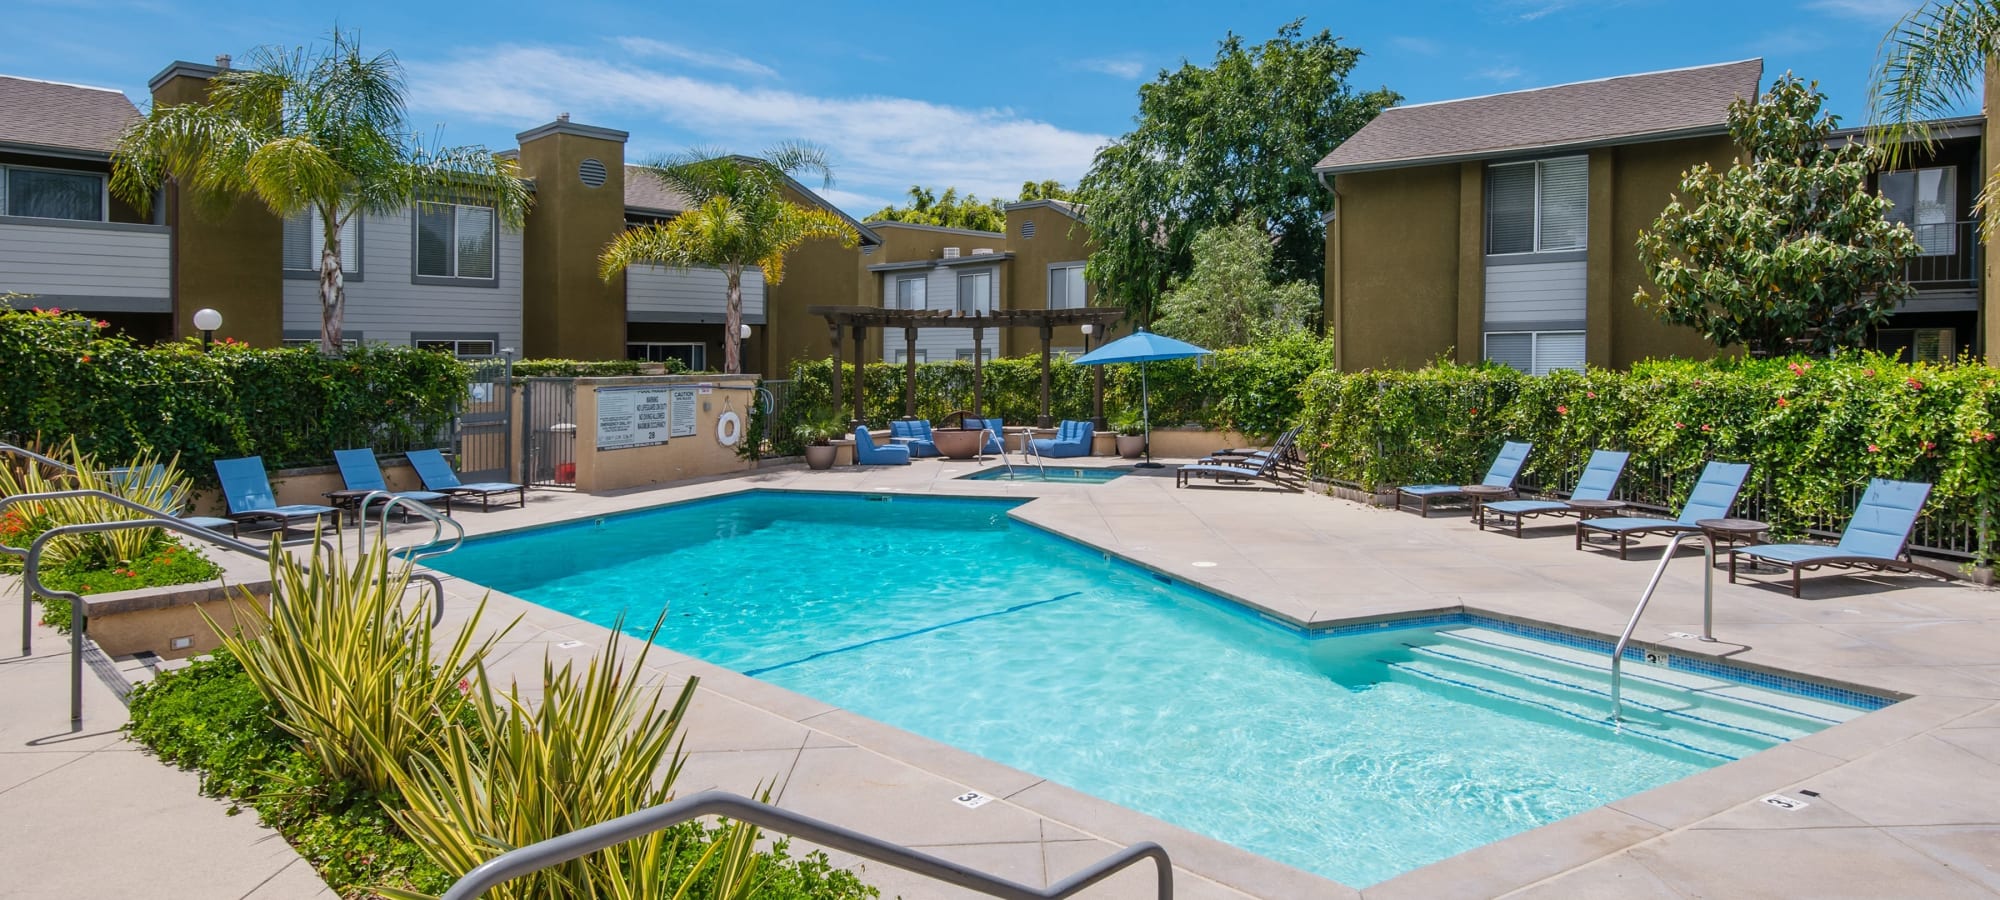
1812 430
68 376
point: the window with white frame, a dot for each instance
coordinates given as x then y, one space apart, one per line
1066 290
692 355
1924 345
975 292
903 355
459 347
910 292
1925 200
1536 352
305 240
455 241
51 194
964 354
1537 207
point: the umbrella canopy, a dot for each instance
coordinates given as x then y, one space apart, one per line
1141 346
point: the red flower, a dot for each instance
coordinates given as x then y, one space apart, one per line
1474 410
103 324
1706 428
1868 372
1913 384
1562 410
84 359
1874 449
1678 425
1929 446
1798 369
1783 402
1590 395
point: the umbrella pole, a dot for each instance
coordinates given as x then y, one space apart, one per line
1146 419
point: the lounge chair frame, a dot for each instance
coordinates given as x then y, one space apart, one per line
1600 477
484 492
1492 473
1878 499
1715 474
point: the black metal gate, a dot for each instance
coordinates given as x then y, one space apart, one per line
549 406
485 422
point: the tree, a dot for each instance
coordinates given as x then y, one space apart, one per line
1213 145
1785 251
1229 300
740 218
947 211
303 130
1931 62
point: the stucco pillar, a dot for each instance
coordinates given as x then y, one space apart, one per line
1989 289
860 374
1045 420
1471 263
834 331
1599 250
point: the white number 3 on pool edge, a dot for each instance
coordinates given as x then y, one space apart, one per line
972 799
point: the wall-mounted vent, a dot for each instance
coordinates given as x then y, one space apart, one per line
1028 229
592 173
982 251
951 253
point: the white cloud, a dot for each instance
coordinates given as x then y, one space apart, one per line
649 48
1870 10
1113 66
1502 74
881 144
1417 45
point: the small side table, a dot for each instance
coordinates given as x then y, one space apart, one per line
1728 532
348 500
1481 495
1595 509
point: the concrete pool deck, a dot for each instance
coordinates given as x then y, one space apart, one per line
1906 800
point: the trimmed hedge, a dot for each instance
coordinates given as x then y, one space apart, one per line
1250 389
1814 430
576 368
67 375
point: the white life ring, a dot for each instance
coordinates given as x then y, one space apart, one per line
728 428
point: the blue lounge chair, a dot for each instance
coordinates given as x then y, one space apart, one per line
248 492
437 476
1876 538
361 472
914 434
993 442
1714 493
153 474
1506 467
867 454
1263 465
1072 439
1599 479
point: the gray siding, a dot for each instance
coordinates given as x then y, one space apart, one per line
654 294
940 292
1535 293
388 308
100 267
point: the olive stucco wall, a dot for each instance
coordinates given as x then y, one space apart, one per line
1058 238
228 262
567 310
1393 280
1989 287
1644 178
819 273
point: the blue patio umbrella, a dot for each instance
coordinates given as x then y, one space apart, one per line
1142 347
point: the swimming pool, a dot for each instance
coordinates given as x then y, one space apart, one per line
1063 474
1355 756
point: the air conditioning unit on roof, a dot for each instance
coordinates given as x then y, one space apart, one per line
981 251
951 253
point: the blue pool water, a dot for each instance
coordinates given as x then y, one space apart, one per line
1355 757
1068 474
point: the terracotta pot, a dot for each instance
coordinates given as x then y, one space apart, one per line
1131 446
820 456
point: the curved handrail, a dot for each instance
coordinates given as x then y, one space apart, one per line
434 547
25 453
1625 639
562 848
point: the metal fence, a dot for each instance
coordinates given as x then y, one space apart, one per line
548 414
1950 255
485 422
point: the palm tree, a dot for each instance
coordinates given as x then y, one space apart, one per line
321 131
1931 62
738 218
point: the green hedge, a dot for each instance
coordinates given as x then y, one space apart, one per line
1813 430
1250 389
66 375
577 368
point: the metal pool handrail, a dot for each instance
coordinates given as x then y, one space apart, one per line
562 848
1625 639
25 453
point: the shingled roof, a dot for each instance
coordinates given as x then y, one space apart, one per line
646 193
1622 110
57 116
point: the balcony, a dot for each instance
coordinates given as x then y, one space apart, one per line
1950 256
93 266
692 296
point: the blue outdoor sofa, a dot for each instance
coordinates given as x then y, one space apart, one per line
866 453
1072 439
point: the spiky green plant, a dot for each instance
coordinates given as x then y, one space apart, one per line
352 661
135 481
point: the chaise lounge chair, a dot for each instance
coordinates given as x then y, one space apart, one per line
437 476
1599 479
360 471
1876 538
248 492
867 454
153 474
1506 467
914 434
1714 493
994 445
1285 447
1263 466
1072 439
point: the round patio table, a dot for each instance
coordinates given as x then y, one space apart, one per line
1482 494
1596 509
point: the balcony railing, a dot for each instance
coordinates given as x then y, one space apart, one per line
100 266
1950 255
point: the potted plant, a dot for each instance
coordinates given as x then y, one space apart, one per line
817 431
1131 434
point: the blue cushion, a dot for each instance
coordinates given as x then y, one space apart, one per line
1217 469
1526 507
1637 523
1507 465
914 434
1430 490
1714 492
867 454
1600 475
1792 553
1882 523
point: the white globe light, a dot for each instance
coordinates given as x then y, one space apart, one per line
743 332
1089 328
207 319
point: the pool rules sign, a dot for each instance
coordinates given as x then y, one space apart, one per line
632 416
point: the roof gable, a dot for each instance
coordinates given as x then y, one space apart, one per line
57 116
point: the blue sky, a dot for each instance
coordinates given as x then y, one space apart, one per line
908 93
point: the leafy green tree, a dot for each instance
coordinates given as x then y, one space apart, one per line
1932 61
740 218
948 211
1047 189
1786 251
1229 299
1215 144
322 130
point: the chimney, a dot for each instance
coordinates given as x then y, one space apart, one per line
222 61
562 117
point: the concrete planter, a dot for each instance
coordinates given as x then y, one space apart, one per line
1131 446
820 456
168 620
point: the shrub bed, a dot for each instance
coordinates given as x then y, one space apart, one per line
1814 430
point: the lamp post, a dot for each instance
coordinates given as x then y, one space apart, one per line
207 321
1096 382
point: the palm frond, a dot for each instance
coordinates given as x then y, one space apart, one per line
796 157
1930 63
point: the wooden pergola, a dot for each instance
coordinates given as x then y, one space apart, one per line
841 320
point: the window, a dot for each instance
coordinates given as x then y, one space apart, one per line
900 356
346 343
964 354
1536 352
454 241
975 292
50 194
305 239
693 356
459 347
1066 289
910 292
1537 207
1926 200
1924 345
